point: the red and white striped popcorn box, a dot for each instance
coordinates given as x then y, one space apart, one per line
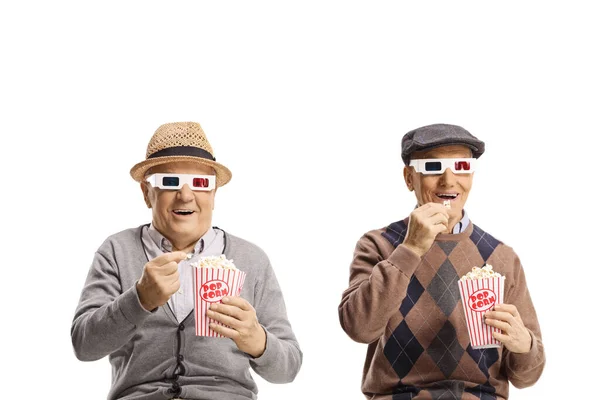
210 286
478 297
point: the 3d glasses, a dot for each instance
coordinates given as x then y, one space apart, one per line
432 166
176 181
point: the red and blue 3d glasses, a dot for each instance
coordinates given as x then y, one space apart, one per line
432 166
176 181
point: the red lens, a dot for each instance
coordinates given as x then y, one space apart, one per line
200 182
462 166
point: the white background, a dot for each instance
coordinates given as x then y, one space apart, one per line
307 104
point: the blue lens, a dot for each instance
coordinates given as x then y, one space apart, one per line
170 181
433 166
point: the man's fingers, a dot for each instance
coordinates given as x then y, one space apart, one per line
223 318
435 208
501 337
439 218
495 323
172 279
509 308
170 268
175 256
424 207
435 218
223 330
167 269
238 302
232 311
160 279
439 228
172 287
500 315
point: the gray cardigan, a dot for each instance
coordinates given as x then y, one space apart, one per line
155 357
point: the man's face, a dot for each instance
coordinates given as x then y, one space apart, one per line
171 208
445 186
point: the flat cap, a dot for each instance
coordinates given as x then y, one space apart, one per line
431 136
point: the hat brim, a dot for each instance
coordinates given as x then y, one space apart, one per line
139 170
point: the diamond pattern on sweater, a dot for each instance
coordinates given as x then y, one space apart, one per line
445 349
426 320
395 233
402 349
446 390
486 243
425 342
484 358
413 292
443 288
405 392
447 246
483 392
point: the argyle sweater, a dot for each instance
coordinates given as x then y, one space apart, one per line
408 309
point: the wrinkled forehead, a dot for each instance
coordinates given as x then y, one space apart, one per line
451 151
182 167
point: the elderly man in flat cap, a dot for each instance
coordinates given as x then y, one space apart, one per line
403 298
137 305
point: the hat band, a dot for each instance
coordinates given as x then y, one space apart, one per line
183 151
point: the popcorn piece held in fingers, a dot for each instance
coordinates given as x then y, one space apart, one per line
447 204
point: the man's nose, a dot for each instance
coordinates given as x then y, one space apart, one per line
448 178
185 193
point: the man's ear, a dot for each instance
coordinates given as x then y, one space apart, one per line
408 178
145 192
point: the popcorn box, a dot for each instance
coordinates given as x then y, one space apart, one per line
479 296
210 286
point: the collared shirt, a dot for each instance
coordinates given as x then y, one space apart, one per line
462 224
155 244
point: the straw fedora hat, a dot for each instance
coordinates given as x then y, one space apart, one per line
180 141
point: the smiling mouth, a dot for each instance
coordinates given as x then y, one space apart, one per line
447 196
183 212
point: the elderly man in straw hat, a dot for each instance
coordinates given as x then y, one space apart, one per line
404 300
137 305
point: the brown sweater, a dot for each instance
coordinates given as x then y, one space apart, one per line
408 310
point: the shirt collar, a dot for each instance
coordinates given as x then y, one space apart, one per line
462 225
165 245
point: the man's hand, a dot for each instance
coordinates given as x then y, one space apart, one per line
424 224
242 325
515 337
159 280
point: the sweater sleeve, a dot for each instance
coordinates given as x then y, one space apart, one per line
377 288
524 369
106 318
282 358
